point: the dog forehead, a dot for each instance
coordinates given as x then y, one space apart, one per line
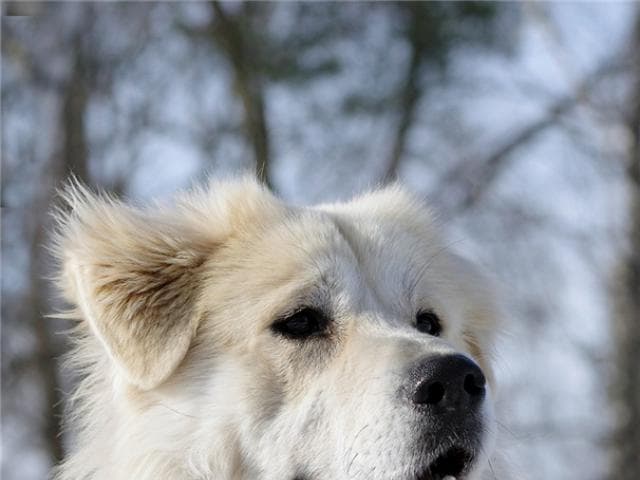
388 229
382 240
303 236
390 225
387 244
291 251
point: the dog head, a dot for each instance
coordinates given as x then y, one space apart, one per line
244 338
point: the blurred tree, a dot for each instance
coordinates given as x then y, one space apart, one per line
68 156
231 34
625 388
433 32
64 71
466 183
258 56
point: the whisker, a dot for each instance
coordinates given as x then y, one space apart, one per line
177 412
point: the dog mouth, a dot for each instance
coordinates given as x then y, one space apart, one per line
452 464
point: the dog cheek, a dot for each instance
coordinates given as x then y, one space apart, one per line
477 349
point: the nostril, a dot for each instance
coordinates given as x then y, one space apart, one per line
429 393
474 384
445 383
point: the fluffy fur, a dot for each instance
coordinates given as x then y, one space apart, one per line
182 376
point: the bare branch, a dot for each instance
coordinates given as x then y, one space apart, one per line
468 182
225 30
410 97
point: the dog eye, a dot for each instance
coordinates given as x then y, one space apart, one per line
428 322
305 323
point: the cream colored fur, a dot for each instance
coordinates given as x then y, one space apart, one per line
181 375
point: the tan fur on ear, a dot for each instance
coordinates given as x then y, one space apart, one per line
135 274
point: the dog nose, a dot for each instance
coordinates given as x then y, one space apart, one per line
447 383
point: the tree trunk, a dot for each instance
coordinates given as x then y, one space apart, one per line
410 95
70 158
625 390
226 32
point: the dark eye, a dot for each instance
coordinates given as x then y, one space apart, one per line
305 323
428 322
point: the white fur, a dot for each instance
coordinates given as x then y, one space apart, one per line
182 377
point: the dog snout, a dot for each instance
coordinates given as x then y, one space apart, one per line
447 383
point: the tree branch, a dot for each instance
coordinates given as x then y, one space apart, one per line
227 33
411 94
470 180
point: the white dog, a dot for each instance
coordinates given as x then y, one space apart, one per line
232 337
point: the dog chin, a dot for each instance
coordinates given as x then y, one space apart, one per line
456 456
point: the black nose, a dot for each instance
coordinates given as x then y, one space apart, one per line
448 382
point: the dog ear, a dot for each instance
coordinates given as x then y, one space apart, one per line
134 276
